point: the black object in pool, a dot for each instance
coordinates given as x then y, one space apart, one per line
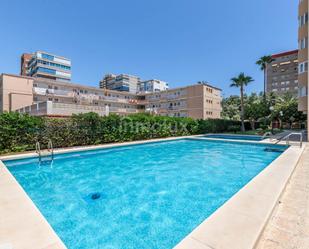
273 150
95 196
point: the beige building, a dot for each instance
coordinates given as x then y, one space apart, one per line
303 57
44 97
198 101
282 73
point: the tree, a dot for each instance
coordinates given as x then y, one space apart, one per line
256 108
230 108
241 81
286 110
263 62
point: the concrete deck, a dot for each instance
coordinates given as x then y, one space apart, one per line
288 227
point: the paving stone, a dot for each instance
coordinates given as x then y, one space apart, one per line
288 227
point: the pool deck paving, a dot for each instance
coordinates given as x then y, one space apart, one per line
288 227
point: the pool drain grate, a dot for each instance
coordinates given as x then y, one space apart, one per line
95 196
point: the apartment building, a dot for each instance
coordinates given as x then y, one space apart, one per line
303 55
24 61
44 97
152 86
121 82
200 101
45 65
282 73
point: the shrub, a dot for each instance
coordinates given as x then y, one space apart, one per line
233 128
20 132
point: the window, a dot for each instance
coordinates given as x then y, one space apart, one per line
303 67
48 57
302 20
46 70
302 91
303 43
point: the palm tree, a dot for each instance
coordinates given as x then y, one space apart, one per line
241 81
263 62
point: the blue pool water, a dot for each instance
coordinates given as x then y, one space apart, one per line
236 137
146 196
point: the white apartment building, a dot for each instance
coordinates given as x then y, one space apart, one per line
152 86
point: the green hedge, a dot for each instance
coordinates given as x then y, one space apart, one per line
20 132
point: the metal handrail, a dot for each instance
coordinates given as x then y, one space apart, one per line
38 149
50 148
288 138
297 134
266 134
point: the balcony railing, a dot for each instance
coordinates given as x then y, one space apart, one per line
49 108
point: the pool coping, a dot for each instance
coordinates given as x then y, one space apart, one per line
236 224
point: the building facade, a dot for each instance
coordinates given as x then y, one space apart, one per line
200 101
45 65
121 82
152 86
282 73
24 61
303 55
44 97
303 58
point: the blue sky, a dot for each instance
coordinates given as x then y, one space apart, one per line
179 41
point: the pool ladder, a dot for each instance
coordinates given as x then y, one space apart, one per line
287 138
50 151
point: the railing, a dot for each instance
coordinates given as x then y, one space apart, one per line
297 134
50 150
266 134
287 138
61 109
38 150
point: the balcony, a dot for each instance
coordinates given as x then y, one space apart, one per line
54 92
49 108
124 110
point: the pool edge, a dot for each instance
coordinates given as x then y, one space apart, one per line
33 154
22 224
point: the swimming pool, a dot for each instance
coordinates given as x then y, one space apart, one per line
236 137
149 196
